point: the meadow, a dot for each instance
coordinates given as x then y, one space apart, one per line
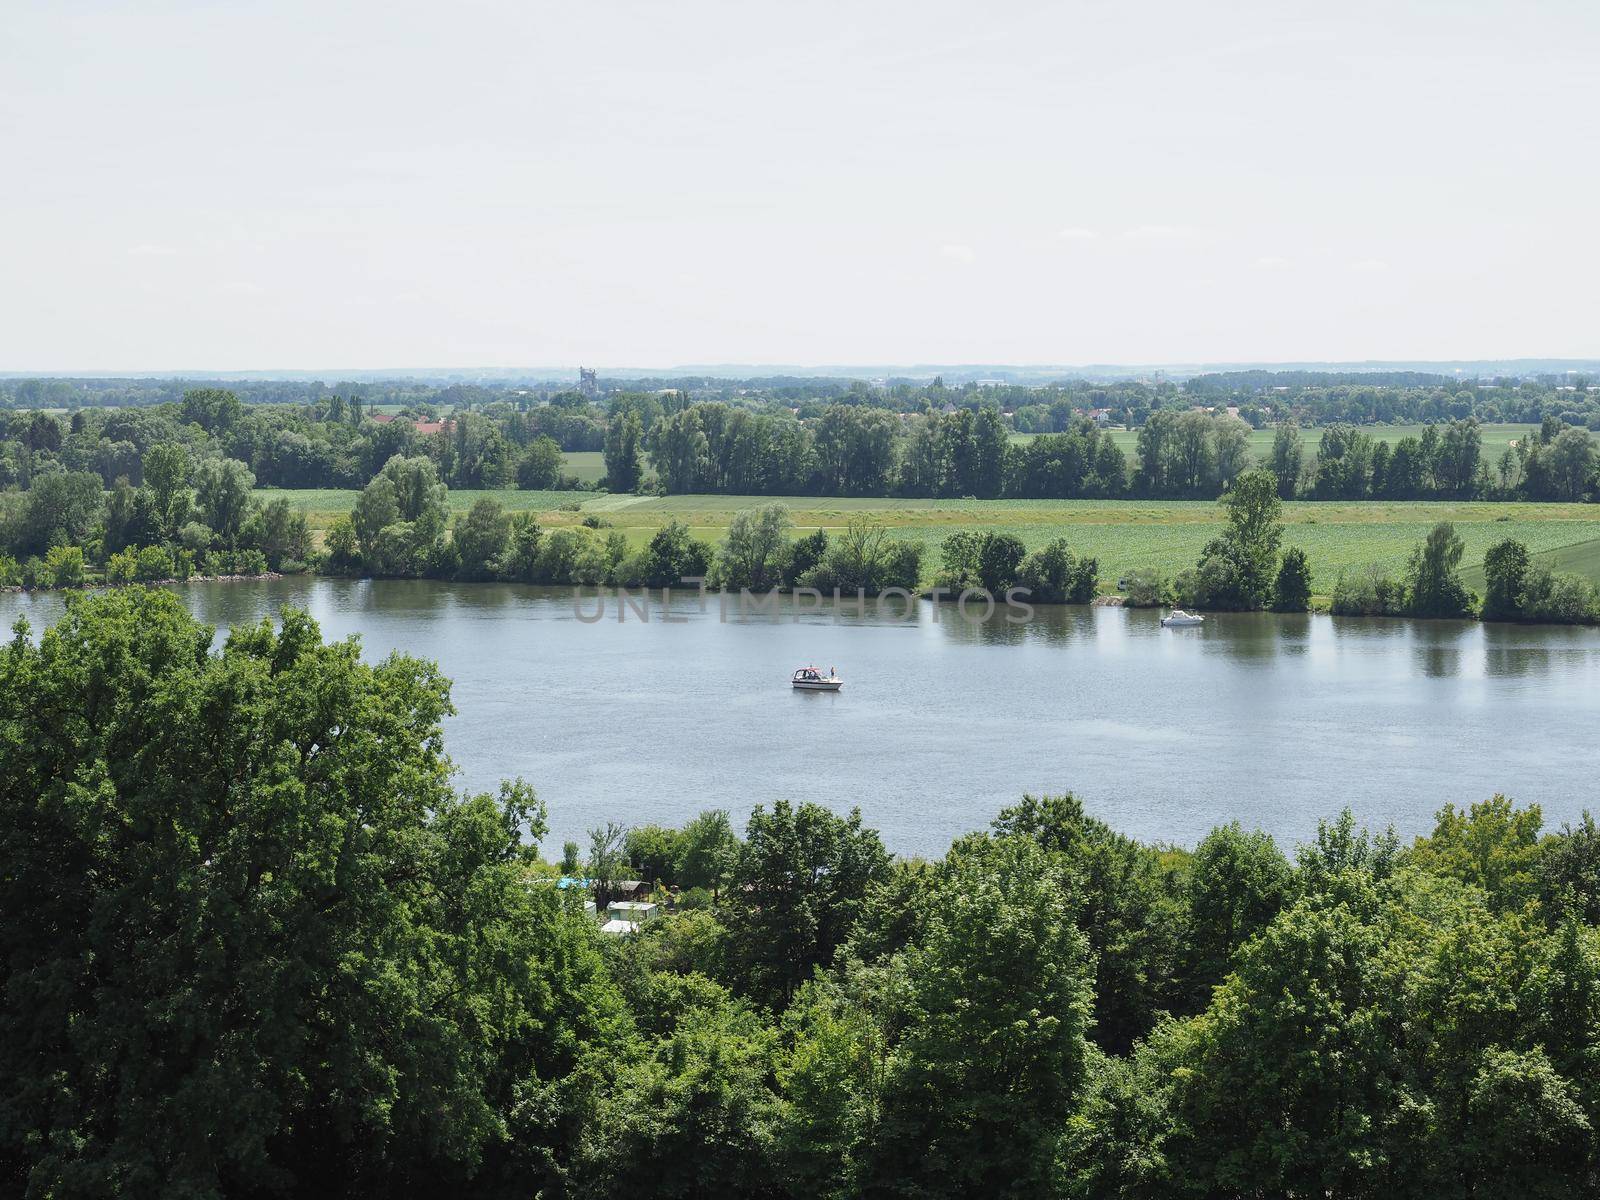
1125 535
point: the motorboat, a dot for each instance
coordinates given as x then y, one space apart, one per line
809 679
1177 617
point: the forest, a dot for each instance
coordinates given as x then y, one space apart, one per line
256 945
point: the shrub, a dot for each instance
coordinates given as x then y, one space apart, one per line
153 563
1369 592
63 567
1144 589
1055 575
123 566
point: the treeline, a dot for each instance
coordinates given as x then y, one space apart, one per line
849 445
335 443
1446 462
257 946
1193 454
184 516
400 524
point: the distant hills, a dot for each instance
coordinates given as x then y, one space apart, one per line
953 373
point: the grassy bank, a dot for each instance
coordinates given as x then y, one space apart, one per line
1123 534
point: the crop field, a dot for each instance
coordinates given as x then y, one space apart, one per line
1495 438
1125 535
588 465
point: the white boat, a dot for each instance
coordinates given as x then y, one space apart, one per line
809 679
1178 617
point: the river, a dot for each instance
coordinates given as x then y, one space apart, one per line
1273 721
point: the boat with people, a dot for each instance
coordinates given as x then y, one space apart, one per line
1177 617
809 679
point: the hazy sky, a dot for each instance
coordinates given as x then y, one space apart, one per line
515 182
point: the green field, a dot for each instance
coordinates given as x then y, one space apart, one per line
588 465
1495 437
1124 535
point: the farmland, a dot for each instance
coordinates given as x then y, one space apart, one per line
1123 534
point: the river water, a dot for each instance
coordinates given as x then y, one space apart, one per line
1274 721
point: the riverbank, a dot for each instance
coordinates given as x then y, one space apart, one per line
1124 535
101 585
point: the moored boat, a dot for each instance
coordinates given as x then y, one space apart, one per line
1177 617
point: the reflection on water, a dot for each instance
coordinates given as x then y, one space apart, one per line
1272 720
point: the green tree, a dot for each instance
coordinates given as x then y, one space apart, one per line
623 470
1505 575
222 488
540 465
1434 587
1287 461
166 475
797 887
1237 883
481 537
993 1048
246 910
756 547
1291 591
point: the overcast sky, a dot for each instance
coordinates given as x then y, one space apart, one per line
516 182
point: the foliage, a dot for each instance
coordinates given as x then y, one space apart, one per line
1434 587
1291 591
797 888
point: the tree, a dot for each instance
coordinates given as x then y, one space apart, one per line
1237 883
222 489
1237 569
62 508
798 885
673 555
216 410
1287 460
993 1050
608 858
1505 575
166 474
1053 574
1435 590
244 903
1291 592
540 465
757 543
481 537
707 851
623 471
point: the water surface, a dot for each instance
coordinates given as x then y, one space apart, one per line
1274 721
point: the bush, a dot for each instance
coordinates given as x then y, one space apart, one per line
1561 599
1144 589
63 567
123 566
1055 575
1370 592
153 563
10 571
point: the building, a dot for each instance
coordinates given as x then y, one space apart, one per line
625 916
588 381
